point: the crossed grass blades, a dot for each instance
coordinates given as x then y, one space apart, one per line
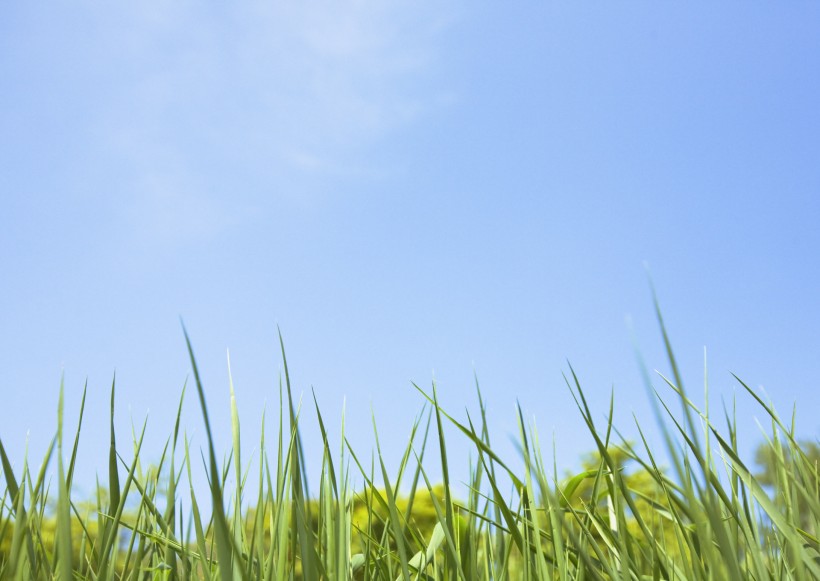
707 518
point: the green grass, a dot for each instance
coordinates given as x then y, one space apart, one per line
621 517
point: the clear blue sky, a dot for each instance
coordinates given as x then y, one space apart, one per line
408 190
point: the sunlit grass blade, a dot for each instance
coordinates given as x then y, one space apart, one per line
73 459
222 537
301 508
64 559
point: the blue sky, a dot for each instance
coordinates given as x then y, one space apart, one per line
409 191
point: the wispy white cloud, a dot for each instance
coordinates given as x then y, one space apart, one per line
272 88
335 76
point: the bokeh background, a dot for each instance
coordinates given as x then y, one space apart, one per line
410 191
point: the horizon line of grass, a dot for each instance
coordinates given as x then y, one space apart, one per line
711 518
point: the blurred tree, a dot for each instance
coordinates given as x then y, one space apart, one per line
642 485
792 474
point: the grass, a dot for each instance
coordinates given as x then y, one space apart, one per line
709 517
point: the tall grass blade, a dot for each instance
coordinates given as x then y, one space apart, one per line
222 537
